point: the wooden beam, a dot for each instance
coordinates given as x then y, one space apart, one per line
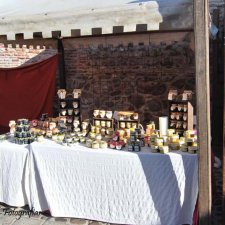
201 13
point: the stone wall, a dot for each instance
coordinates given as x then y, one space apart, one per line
122 74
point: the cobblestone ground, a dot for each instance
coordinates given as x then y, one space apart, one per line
217 197
42 219
45 219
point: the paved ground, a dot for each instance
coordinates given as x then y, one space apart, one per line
217 202
44 219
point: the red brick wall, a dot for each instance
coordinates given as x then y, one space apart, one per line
22 55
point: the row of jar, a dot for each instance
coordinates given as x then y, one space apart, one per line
63 93
74 104
27 140
100 130
179 116
102 114
69 112
22 134
22 128
178 124
179 107
123 125
103 123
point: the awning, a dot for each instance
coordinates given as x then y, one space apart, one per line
87 17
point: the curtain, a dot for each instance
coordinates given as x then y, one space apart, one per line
27 91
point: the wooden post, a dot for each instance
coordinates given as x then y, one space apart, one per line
201 23
224 154
224 140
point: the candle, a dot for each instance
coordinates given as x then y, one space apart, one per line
163 125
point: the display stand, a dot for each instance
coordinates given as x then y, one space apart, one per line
180 116
69 108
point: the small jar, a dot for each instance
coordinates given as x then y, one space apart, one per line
159 141
89 143
174 146
127 132
40 138
19 122
103 144
82 139
98 137
103 123
170 132
109 114
76 112
180 107
164 149
103 130
52 125
63 112
70 112
128 125
174 138
93 129
173 107
92 135
54 137
172 116
96 113
135 116
109 131
61 93
19 128
97 123
97 130
75 105
118 146
185 116
178 116
108 124
154 148
63 104
102 113
95 144
76 123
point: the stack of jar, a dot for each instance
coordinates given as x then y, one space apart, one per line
22 133
136 141
172 141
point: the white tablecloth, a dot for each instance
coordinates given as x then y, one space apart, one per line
14 174
114 186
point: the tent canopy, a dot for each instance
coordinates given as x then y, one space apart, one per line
27 17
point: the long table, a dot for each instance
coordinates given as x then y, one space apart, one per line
114 186
14 174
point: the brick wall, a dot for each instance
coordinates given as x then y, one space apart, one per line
22 55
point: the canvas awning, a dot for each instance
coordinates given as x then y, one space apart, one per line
45 16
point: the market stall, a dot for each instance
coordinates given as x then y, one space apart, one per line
109 168
134 145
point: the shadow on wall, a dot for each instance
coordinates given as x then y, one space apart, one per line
131 77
